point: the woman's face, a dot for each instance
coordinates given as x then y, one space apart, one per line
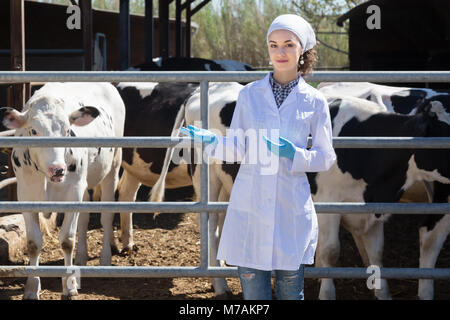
284 50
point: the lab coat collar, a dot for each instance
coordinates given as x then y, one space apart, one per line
264 84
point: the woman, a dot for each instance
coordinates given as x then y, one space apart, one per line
271 224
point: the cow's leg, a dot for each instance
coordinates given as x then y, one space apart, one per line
431 242
128 188
82 256
34 246
31 187
361 248
220 285
108 187
327 252
73 190
373 240
67 241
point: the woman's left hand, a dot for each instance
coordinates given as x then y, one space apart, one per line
286 149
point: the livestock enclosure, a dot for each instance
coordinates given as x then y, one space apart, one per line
204 206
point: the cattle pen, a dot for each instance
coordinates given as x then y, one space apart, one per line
203 207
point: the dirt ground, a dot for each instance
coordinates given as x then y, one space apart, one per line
174 240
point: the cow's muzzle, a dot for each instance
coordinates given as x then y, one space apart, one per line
57 173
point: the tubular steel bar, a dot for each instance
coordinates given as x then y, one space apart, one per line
217 76
76 142
177 207
204 182
185 142
169 272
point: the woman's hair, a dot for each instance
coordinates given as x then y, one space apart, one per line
310 59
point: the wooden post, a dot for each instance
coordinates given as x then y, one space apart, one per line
18 93
124 34
17 39
164 28
149 34
188 29
178 29
87 28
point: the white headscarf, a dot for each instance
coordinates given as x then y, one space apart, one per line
296 24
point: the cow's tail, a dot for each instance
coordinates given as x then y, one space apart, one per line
6 182
157 192
7 133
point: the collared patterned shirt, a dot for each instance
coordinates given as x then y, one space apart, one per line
280 92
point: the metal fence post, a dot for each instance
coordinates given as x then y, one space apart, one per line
204 181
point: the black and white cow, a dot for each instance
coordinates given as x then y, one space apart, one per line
159 110
222 99
433 229
374 175
65 174
152 110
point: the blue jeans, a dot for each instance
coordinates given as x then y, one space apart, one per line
256 284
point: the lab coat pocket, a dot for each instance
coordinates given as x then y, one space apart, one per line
305 205
241 187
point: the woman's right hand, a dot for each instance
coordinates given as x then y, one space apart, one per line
200 135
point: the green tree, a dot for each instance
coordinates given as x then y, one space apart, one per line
236 29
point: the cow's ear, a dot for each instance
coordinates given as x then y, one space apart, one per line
83 116
11 118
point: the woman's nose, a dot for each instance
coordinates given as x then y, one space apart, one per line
281 52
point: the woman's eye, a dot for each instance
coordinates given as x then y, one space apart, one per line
33 132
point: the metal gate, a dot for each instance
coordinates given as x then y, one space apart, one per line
204 206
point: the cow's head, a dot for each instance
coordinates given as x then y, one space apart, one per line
46 118
437 111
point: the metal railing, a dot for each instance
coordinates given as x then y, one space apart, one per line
204 206
216 76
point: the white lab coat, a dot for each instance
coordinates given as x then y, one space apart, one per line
271 223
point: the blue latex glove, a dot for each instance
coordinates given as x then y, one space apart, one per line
200 135
286 149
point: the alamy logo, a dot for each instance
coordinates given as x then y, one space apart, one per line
374 280
73 281
374 20
256 152
74 20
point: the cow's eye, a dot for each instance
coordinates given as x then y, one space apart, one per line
33 132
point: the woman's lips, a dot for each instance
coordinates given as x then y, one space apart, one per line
281 61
